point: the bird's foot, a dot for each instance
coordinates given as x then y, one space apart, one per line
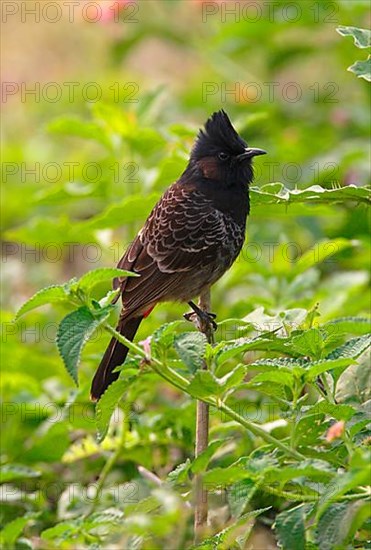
205 319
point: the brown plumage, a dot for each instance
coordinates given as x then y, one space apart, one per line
192 236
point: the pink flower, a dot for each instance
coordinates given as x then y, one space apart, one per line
146 344
335 431
111 10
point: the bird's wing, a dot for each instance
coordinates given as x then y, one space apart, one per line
182 236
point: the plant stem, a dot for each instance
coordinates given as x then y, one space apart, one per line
258 431
202 433
182 383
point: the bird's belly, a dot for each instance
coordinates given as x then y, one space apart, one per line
212 266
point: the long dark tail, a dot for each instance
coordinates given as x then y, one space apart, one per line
114 356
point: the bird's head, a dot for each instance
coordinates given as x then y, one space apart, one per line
221 154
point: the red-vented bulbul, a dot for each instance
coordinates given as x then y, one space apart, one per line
192 236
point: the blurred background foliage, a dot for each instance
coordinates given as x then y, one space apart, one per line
106 139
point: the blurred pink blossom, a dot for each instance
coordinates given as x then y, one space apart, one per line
335 431
146 344
111 10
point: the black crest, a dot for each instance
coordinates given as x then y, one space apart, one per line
218 135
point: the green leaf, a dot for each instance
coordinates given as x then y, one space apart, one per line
240 494
284 364
163 337
339 522
15 472
309 342
200 463
362 69
191 347
362 37
62 531
280 378
343 483
277 193
345 325
353 348
180 474
318 470
107 404
204 384
49 295
290 528
225 476
12 530
73 333
337 411
241 345
324 365
92 278
233 378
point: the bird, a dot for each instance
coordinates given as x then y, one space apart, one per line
190 239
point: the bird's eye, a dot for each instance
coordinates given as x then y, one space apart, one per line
223 156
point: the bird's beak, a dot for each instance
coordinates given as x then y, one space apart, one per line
251 152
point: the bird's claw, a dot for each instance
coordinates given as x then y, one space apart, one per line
204 316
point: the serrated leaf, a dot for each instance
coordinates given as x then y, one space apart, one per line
353 348
92 278
343 483
284 364
239 346
107 404
191 347
362 69
309 342
277 193
280 378
163 337
204 384
346 325
49 295
338 522
240 494
362 37
337 411
318 367
314 469
290 528
180 474
73 333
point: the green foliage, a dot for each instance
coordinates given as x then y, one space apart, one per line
362 39
288 380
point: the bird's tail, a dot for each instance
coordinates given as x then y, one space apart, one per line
114 356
